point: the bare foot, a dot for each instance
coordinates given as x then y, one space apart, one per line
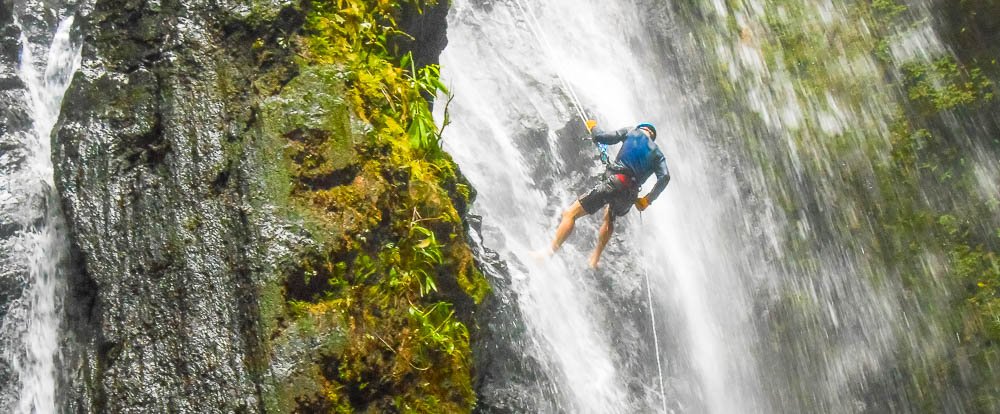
593 262
541 255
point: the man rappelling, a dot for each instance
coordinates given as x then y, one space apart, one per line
637 159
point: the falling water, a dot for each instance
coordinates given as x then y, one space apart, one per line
516 137
766 295
34 318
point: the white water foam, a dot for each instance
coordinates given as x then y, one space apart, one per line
43 244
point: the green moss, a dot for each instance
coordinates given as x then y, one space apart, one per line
886 11
310 113
316 333
945 85
272 307
470 279
354 159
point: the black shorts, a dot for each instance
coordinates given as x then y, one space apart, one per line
612 192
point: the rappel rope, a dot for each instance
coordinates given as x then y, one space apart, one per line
652 324
539 36
549 51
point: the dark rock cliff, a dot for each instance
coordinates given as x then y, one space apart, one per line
152 164
425 27
14 123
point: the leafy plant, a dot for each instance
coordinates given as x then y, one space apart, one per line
428 254
423 132
437 329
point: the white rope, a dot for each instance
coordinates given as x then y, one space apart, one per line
656 340
652 323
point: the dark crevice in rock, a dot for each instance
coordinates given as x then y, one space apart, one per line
248 301
221 181
336 178
363 397
307 282
81 315
7 230
314 161
427 30
11 83
151 149
6 12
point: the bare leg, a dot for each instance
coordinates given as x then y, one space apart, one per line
603 237
569 217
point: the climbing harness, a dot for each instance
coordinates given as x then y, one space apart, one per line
536 31
603 149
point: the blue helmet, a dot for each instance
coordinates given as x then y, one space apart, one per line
650 126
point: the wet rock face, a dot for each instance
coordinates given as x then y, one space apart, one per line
158 160
150 162
427 28
10 46
15 129
14 122
507 376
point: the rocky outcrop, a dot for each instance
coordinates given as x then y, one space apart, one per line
14 125
241 209
155 166
508 376
14 122
425 26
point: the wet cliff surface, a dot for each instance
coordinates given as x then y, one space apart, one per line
159 208
255 229
828 242
14 122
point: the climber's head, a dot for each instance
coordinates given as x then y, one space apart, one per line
650 128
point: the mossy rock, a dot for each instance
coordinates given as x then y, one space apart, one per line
310 112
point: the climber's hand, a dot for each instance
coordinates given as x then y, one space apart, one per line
642 203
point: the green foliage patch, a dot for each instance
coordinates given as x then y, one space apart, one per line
944 85
391 274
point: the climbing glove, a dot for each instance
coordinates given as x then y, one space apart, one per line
590 125
641 203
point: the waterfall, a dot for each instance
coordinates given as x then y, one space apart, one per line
516 136
768 295
33 322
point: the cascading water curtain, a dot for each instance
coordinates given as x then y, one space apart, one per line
33 322
765 300
516 69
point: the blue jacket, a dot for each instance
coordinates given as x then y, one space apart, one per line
639 155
